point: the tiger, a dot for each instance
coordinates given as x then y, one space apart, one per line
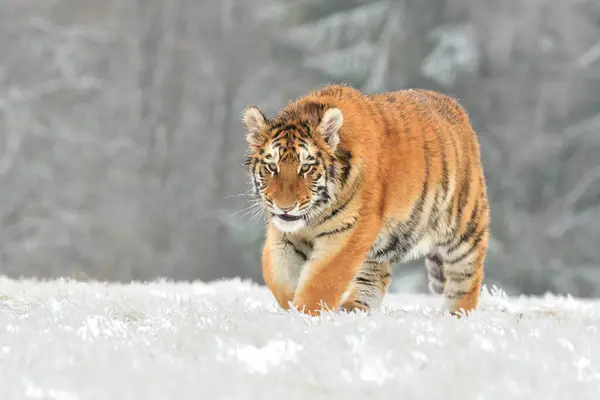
354 182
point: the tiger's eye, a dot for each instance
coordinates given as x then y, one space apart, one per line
272 167
305 169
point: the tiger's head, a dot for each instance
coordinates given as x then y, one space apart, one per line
294 161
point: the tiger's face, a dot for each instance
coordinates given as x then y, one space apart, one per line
292 165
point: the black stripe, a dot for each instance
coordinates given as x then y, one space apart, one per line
341 229
447 242
345 158
471 228
435 215
392 244
257 186
436 272
303 205
472 225
309 244
277 134
320 191
341 208
464 193
301 254
437 275
463 196
370 273
278 125
459 276
298 252
331 169
305 131
290 126
456 294
472 246
363 281
460 293
436 259
324 196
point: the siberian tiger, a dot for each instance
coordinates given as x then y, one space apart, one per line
353 182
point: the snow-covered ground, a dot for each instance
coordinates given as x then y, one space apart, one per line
227 340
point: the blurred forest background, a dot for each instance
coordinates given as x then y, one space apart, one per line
121 142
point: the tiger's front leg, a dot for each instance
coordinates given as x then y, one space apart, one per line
334 263
282 262
368 287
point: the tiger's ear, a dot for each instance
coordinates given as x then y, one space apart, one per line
330 126
254 121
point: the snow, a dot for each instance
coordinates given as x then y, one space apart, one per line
67 340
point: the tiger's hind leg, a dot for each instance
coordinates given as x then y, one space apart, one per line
368 287
463 274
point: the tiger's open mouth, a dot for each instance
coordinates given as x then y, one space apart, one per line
289 218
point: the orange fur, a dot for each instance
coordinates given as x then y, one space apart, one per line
394 176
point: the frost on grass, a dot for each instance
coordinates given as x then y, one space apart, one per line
228 340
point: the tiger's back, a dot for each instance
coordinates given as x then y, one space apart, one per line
416 182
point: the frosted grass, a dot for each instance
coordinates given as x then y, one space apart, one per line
228 340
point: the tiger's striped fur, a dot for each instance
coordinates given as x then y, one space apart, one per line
355 182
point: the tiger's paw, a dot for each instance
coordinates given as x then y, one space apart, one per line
311 306
354 305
